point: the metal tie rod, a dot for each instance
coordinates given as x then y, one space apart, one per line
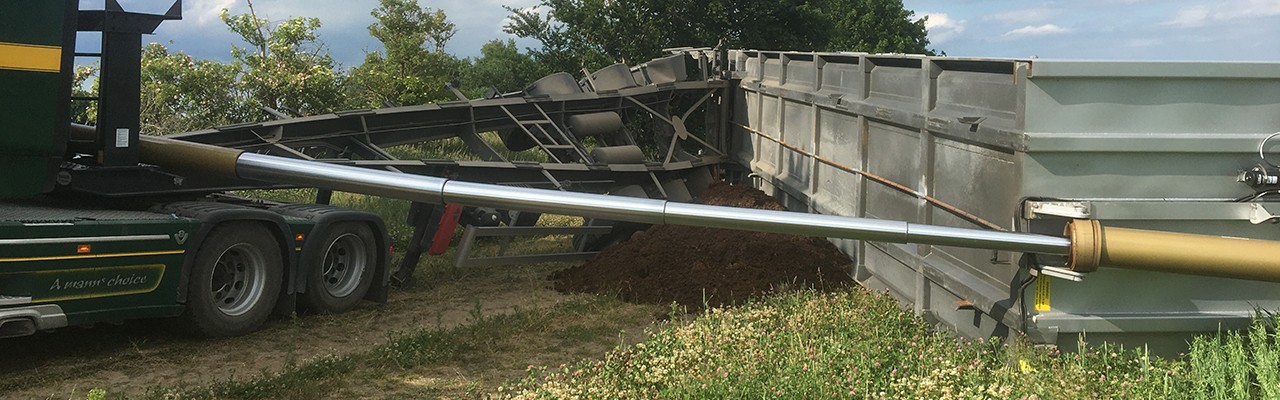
1090 245
439 190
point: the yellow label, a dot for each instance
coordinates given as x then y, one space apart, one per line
28 57
1043 285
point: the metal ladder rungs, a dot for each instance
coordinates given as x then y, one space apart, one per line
14 300
559 146
535 122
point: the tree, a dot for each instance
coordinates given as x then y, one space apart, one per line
183 94
414 68
876 26
500 66
84 83
285 67
592 33
563 48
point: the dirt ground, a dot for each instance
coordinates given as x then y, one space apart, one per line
699 267
691 266
138 356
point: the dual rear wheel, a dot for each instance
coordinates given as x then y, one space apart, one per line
238 271
345 271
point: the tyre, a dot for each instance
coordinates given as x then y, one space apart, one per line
344 270
235 280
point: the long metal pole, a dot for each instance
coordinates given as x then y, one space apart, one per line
438 190
1088 246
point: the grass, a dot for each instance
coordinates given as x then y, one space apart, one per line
858 344
854 344
488 342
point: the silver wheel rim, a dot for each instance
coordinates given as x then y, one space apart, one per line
238 279
344 264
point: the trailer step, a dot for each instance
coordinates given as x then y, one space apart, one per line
14 300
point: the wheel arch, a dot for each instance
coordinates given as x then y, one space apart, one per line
324 217
212 215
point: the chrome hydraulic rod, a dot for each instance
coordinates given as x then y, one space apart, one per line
1088 245
439 190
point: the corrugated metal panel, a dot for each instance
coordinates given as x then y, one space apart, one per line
963 142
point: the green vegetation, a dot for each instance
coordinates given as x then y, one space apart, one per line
284 65
850 344
485 347
413 67
863 345
801 345
592 33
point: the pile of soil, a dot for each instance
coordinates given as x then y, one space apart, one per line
688 265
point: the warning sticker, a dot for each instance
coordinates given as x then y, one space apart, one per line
1043 285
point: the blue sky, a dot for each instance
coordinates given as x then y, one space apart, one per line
1079 29
1105 29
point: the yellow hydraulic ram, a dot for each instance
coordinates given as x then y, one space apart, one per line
1094 245
1088 244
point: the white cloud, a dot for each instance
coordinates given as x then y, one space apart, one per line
1046 29
204 12
1190 17
942 27
534 8
1224 12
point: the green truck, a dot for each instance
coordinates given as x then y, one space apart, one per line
89 235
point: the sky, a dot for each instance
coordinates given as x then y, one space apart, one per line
1236 30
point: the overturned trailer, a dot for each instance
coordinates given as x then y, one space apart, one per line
979 191
1025 146
963 175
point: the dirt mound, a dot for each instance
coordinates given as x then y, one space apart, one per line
688 265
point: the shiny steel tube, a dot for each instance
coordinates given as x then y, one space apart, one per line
796 223
258 167
618 208
437 190
194 158
1089 246
987 239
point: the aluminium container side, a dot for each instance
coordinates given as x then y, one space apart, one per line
1153 145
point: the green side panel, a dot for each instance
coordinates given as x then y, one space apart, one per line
130 268
32 21
33 104
23 175
29 152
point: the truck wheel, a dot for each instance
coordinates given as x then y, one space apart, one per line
345 271
235 281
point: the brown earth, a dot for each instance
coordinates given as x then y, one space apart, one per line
139 357
699 267
667 263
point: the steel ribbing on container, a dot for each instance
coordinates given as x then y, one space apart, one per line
438 190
